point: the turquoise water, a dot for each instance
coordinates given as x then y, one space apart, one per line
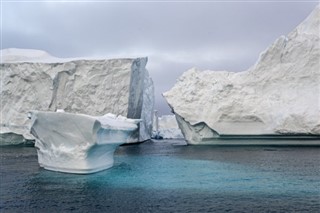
168 176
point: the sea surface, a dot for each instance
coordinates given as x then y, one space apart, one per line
168 176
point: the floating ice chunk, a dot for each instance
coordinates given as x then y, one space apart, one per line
78 143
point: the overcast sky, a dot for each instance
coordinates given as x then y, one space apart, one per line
176 36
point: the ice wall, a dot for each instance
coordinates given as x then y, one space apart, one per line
279 95
32 80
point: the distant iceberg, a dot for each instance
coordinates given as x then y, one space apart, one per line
278 97
78 143
166 127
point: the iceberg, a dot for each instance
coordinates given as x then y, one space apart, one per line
34 80
278 97
167 127
79 143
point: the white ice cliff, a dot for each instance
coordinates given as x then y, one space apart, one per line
167 127
78 143
34 80
278 96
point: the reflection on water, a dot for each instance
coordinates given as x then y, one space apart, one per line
168 176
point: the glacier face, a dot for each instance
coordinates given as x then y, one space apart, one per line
78 143
279 95
167 128
37 81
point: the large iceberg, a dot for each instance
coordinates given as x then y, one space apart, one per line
78 143
277 97
166 127
34 80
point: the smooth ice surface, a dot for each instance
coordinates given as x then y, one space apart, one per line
279 95
168 177
77 143
167 127
34 80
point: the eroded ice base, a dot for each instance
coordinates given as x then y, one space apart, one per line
244 134
78 143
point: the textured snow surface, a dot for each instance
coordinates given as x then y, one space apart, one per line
167 127
78 143
279 95
94 87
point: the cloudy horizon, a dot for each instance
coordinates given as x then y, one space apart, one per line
175 36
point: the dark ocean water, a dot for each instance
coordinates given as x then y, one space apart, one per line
167 176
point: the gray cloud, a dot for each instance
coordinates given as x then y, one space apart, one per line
176 36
